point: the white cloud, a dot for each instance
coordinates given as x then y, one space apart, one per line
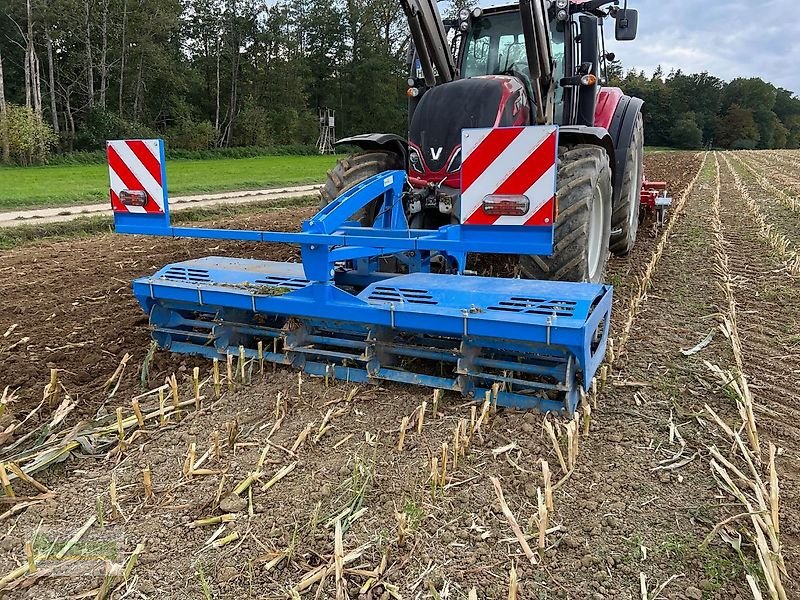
730 38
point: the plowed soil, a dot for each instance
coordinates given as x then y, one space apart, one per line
620 518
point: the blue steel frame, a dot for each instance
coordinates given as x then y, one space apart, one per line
211 315
328 237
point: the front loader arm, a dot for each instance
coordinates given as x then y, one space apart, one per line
430 40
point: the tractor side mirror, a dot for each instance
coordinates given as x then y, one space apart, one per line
627 24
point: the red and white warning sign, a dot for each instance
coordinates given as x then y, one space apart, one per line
508 175
136 172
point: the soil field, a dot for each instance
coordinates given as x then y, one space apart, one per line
668 492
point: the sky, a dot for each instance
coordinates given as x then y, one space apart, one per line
727 38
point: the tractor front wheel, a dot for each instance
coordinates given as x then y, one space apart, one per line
627 199
354 169
583 224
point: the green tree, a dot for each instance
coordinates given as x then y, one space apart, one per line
737 128
686 134
29 138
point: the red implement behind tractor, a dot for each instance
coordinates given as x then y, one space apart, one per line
654 199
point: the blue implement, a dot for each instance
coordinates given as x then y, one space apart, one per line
534 344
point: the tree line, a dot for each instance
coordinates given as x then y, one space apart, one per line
700 110
226 73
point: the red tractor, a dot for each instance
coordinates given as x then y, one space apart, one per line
533 62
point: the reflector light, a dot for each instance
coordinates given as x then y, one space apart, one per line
506 206
133 197
589 79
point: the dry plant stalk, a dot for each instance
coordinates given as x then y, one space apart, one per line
147 482
76 537
30 556
464 439
513 583
774 494
229 371
216 520
437 395
512 521
573 439
543 520
112 492
215 445
445 454
324 426
556 446
456 445
401 519
232 430
421 419
587 419
191 456
261 357
6 483
302 437
484 417
548 485
278 406
338 559
281 473
224 541
176 400
217 383
51 388
196 387
434 475
138 412
245 484
402 439
117 373
242 362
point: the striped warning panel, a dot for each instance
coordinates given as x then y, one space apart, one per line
509 162
136 166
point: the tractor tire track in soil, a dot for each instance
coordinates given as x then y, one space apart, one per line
618 516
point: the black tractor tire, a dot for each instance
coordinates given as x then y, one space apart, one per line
354 169
583 224
625 213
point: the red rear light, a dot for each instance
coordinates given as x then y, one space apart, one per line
133 197
506 206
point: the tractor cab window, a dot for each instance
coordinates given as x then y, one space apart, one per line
495 45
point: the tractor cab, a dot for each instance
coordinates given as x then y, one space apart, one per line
499 80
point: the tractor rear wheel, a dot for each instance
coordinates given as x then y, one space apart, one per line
354 169
625 215
583 225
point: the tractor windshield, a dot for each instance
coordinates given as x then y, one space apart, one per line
496 45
